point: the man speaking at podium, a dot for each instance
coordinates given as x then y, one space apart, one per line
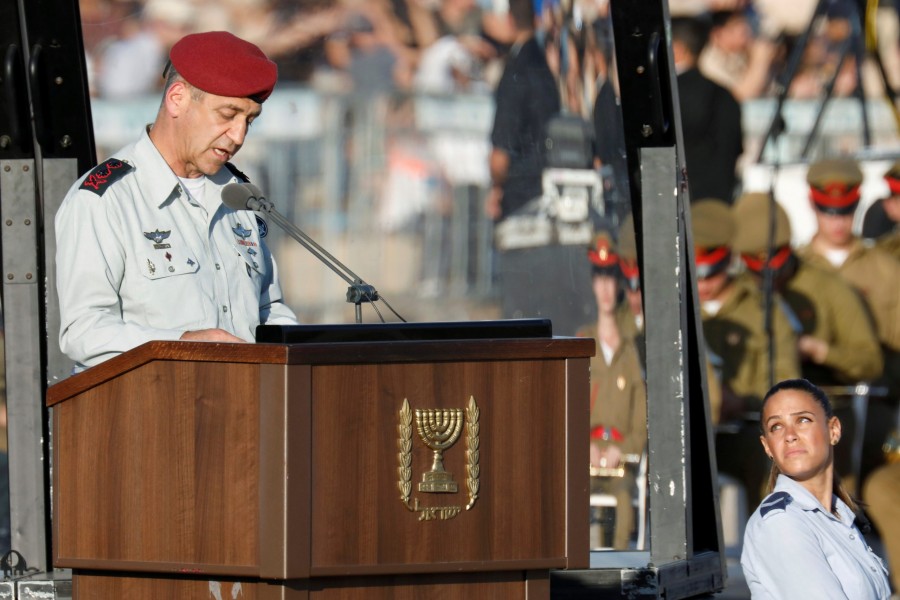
145 248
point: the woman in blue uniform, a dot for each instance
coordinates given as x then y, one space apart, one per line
802 541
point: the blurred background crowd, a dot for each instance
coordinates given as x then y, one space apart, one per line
379 129
446 46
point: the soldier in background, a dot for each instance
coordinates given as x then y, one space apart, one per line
630 313
618 395
834 190
834 194
882 217
881 493
836 338
737 345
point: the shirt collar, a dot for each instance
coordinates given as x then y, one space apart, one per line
806 501
156 177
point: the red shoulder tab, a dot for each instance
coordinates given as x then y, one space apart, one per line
104 175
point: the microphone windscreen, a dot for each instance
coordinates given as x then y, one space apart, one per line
254 191
236 196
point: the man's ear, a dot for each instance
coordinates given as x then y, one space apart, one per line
176 98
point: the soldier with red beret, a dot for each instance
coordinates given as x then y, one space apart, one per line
618 394
146 248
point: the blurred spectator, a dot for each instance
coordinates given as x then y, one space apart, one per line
102 22
296 41
829 54
736 59
526 98
710 118
367 50
694 8
132 65
446 67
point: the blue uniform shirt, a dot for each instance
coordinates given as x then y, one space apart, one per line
794 548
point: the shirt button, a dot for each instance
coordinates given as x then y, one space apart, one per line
218 267
224 309
171 269
852 537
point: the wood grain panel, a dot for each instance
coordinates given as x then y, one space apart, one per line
358 518
169 476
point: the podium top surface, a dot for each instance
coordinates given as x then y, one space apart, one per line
415 331
471 341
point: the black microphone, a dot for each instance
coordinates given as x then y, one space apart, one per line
246 196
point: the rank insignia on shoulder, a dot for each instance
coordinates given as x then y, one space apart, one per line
263 226
104 175
777 501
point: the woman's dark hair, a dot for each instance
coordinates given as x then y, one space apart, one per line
816 393
801 385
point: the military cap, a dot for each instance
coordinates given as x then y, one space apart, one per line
893 178
834 185
628 262
603 255
713 230
752 212
751 215
223 64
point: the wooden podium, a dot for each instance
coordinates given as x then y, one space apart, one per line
289 471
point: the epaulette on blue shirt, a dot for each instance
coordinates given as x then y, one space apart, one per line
104 175
775 502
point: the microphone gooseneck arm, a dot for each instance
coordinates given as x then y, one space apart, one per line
247 196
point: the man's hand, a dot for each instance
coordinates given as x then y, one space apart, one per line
812 348
492 203
211 335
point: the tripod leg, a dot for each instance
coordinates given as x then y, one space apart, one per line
859 49
783 84
829 90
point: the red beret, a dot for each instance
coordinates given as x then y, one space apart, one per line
223 64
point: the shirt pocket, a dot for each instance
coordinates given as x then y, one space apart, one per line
173 295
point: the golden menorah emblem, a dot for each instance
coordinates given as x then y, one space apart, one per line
439 429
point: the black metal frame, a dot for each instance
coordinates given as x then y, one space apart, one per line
685 557
46 141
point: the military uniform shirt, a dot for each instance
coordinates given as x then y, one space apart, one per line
876 275
794 548
618 394
827 308
737 345
138 259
